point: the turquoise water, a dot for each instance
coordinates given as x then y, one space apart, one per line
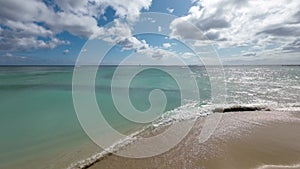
38 117
36 112
38 123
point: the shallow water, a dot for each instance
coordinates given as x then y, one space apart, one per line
39 127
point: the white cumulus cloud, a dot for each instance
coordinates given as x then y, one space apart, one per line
170 10
167 45
232 23
34 24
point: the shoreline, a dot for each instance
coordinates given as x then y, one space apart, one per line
256 139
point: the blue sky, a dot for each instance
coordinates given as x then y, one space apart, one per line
242 32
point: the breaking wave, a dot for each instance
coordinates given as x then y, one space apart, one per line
186 112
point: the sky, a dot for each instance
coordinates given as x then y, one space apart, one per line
47 32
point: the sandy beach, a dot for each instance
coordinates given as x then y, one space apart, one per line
254 140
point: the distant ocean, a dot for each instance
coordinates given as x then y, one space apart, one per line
38 123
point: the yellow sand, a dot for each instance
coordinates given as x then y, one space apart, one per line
258 140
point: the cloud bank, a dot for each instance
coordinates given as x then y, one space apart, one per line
259 25
34 24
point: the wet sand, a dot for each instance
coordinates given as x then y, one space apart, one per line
258 140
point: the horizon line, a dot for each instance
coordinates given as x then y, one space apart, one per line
72 65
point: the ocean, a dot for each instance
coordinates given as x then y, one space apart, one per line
39 127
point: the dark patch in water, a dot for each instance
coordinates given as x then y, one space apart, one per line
240 108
